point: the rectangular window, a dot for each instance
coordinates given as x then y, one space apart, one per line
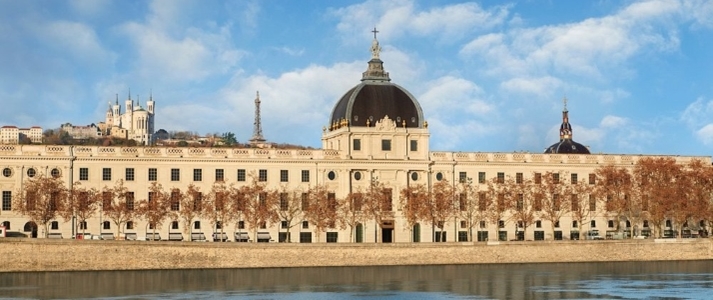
130 200
573 178
385 145
129 174
501 177
387 205
106 174
219 175
241 174
555 178
592 203
518 178
107 225
305 224
462 177
174 225
83 225
107 198
556 202
6 200
462 201
283 202
197 225
537 206
332 237
414 145
481 177
482 201
305 237
538 178
357 145
175 200
592 178
305 201
262 175
197 174
575 202
305 175
83 173
520 202
153 174
175 175
241 225
284 176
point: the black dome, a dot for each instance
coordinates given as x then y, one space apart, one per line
567 146
374 100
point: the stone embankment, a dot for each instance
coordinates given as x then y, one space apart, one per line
20 255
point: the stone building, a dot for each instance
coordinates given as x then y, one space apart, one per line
13 135
377 131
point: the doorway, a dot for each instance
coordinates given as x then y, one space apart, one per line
387 231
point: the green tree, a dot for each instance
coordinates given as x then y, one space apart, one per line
229 139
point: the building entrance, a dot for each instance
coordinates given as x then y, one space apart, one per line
387 231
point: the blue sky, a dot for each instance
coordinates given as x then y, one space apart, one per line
490 75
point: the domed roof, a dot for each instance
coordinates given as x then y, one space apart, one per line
373 101
566 143
376 98
567 146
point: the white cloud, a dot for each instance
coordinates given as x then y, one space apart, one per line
404 17
190 54
543 87
705 135
610 121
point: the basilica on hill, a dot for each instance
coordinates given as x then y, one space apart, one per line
377 134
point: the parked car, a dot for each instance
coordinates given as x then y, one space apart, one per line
593 235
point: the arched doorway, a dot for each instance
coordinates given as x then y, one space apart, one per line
416 233
359 233
31 227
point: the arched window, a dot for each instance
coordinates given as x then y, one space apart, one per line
6 224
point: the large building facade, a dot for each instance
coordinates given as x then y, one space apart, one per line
377 132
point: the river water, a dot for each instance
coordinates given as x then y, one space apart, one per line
620 280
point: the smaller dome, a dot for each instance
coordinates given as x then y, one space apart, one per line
567 146
566 143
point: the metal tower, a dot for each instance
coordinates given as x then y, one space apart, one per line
257 129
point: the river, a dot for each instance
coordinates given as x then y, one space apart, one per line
616 280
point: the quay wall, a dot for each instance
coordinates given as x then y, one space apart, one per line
26 255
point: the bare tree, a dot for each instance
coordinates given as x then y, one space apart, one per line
378 204
413 200
288 209
439 208
217 206
191 207
701 176
118 205
522 202
351 211
322 209
580 201
259 205
156 208
42 199
614 186
84 204
555 204
498 207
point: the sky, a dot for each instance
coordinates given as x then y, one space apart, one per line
490 76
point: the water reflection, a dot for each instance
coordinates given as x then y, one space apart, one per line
628 280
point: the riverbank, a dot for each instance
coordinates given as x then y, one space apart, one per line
23 255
